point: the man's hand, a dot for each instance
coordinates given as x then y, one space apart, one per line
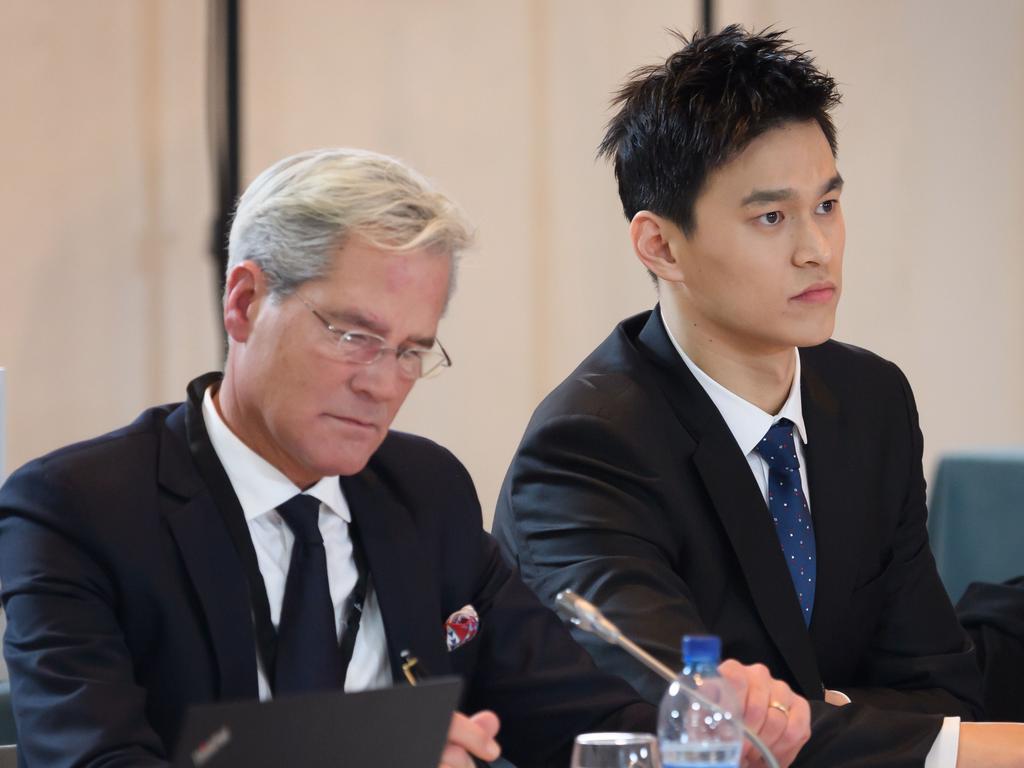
991 745
781 718
471 737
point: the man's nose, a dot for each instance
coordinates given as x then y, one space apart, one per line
813 247
381 379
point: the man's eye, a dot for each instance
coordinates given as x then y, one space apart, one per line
827 207
360 341
771 218
414 353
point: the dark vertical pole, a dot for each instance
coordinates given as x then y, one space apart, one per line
224 105
707 21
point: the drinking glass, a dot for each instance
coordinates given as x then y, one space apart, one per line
615 750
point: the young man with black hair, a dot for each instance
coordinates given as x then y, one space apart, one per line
719 464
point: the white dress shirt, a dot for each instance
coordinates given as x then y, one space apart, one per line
260 488
748 424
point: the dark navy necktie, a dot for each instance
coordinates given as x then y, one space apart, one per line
789 511
308 656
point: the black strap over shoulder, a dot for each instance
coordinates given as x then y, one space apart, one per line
356 602
227 504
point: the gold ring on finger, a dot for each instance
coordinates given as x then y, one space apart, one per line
779 706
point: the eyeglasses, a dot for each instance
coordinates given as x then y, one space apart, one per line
367 348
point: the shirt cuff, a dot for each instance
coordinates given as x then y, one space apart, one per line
946 745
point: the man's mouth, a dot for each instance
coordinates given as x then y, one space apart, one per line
354 422
817 293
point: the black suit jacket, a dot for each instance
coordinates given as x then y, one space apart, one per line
993 615
629 488
127 600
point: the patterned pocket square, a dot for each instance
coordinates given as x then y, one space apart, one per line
461 627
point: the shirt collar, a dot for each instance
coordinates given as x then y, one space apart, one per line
258 484
747 423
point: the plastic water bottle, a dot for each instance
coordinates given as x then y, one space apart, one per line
690 733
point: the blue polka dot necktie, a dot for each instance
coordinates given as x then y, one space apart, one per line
789 511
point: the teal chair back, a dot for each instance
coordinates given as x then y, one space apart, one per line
974 519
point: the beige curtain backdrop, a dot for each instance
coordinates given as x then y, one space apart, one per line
106 301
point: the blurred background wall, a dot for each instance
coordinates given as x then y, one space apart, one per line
107 290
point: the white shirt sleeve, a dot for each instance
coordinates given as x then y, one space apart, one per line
947 744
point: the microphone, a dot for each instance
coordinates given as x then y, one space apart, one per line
585 615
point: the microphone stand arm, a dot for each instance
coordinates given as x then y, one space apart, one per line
654 665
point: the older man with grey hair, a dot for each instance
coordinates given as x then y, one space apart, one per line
271 535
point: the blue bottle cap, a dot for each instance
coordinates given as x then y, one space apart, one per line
701 649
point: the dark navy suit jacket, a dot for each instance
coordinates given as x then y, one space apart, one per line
127 600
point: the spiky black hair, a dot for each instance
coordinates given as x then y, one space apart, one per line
680 120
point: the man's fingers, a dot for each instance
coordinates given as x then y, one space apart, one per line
770 709
455 757
471 736
756 689
785 732
781 704
736 674
487 722
798 731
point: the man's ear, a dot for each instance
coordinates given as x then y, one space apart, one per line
245 290
656 241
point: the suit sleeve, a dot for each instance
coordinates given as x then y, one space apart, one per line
75 699
920 658
580 509
527 668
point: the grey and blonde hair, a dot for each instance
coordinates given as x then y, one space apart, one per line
294 216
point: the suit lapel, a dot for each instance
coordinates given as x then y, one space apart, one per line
210 561
405 586
208 527
738 503
837 530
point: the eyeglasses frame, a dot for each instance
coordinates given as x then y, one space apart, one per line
444 362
